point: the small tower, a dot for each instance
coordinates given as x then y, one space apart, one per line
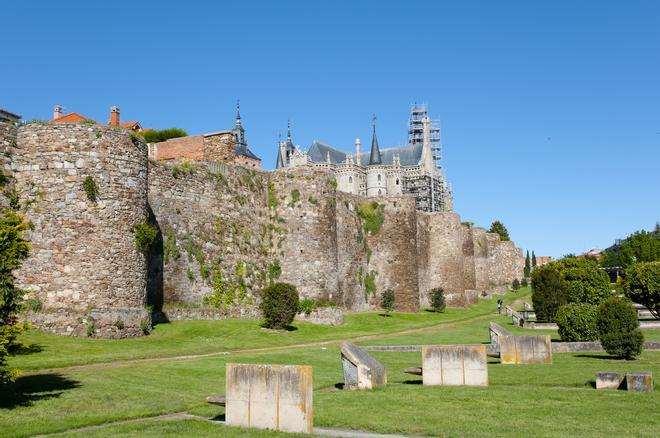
376 176
239 132
357 152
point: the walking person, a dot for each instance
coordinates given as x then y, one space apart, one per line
499 306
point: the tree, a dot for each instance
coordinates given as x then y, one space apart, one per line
499 228
279 305
642 285
387 301
516 284
156 136
618 328
641 246
528 265
533 259
569 280
14 249
438 299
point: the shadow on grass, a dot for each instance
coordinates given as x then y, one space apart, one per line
412 382
29 389
339 386
387 315
596 356
27 349
220 417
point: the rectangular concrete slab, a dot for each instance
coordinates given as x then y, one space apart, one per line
639 381
525 350
277 397
454 365
607 380
495 331
361 370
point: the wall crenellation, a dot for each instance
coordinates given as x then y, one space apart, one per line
224 232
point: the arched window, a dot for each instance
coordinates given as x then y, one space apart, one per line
379 192
379 177
397 181
350 179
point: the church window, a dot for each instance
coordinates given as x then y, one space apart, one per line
397 181
379 192
379 177
350 179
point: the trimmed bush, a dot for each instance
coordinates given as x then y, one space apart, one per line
516 284
438 299
577 322
569 280
387 301
618 328
642 285
279 305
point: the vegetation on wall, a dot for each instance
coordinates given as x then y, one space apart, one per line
89 185
372 215
185 168
156 136
14 249
370 283
145 236
274 271
272 195
170 248
499 228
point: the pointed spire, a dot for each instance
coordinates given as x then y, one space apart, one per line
374 158
238 113
288 135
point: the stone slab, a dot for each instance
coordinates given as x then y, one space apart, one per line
361 370
639 381
454 365
525 350
608 380
277 397
495 331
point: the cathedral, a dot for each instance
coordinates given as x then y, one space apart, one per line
413 169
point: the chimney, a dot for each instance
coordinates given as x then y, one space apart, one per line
357 152
114 116
57 112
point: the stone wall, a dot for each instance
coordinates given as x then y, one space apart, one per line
7 148
85 268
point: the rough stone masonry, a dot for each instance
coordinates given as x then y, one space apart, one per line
224 232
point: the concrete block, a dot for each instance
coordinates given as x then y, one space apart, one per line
277 397
525 350
454 365
607 380
361 370
495 331
639 381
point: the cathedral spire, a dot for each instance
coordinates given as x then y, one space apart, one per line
374 158
288 134
238 113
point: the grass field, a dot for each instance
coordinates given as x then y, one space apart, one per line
102 387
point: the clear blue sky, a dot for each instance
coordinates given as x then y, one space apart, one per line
550 110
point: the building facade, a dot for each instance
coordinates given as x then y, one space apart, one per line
412 169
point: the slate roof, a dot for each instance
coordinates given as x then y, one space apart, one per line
410 155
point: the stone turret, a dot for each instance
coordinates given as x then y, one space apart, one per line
85 268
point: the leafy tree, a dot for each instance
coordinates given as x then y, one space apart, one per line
640 246
516 284
528 265
569 280
156 136
438 299
499 228
279 305
577 322
533 259
387 301
618 328
13 250
642 285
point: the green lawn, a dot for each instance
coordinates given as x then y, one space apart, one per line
533 400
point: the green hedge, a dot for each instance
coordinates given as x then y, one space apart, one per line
577 322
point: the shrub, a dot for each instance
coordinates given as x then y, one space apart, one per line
279 304
89 185
569 280
642 285
524 282
372 215
145 325
515 285
145 235
387 301
306 306
438 299
32 305
577 322
119 324
618 328
295 195
156 136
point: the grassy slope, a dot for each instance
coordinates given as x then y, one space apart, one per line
547 400
199 337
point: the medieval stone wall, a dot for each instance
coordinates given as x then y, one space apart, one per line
8 133
85 268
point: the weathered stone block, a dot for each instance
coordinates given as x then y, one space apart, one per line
454 365
639 381
607 380
277 397
361 370
525 349
495 331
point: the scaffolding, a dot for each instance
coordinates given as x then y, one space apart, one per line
429 190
